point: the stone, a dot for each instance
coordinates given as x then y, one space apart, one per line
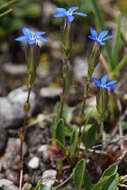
34 163
49 177
80 69
11 156
44 151
7 184
49 92
14 69
11 107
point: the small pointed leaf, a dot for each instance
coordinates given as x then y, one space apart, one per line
60 135
79 174
73 143
87 181
43 187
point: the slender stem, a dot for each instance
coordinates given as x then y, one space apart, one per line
85 96
64 86
21 135
7 4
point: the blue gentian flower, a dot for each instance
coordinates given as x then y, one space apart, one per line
99 38
68 13
104 84
30 37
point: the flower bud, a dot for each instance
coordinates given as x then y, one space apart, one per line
93 59
102 101
32 60
67 42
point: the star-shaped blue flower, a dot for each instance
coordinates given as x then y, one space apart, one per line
68 13
104 84
99 38
30 37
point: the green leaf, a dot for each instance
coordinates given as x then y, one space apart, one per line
120 66
69 79
60 136
54 125
79 174
73 143
111 170
107 183
90 131
117 42
87 181
27 186
43 187
109 179
67 113
111 183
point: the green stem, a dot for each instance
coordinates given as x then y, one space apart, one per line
67 49
85 96
64 87
6 12
5 5
21 135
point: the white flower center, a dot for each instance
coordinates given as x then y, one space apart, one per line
69 13
32 37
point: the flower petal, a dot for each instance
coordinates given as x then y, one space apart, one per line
39 33
72 9
42 39
70 18
93 32
27 32
104 79
101 43
92 37
60 14
102 34
113 87
78 13
97 82
112 82
31 42
106 38
22 38
60 9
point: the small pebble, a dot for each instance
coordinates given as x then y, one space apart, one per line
6 184
49 92
44 150
34 163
